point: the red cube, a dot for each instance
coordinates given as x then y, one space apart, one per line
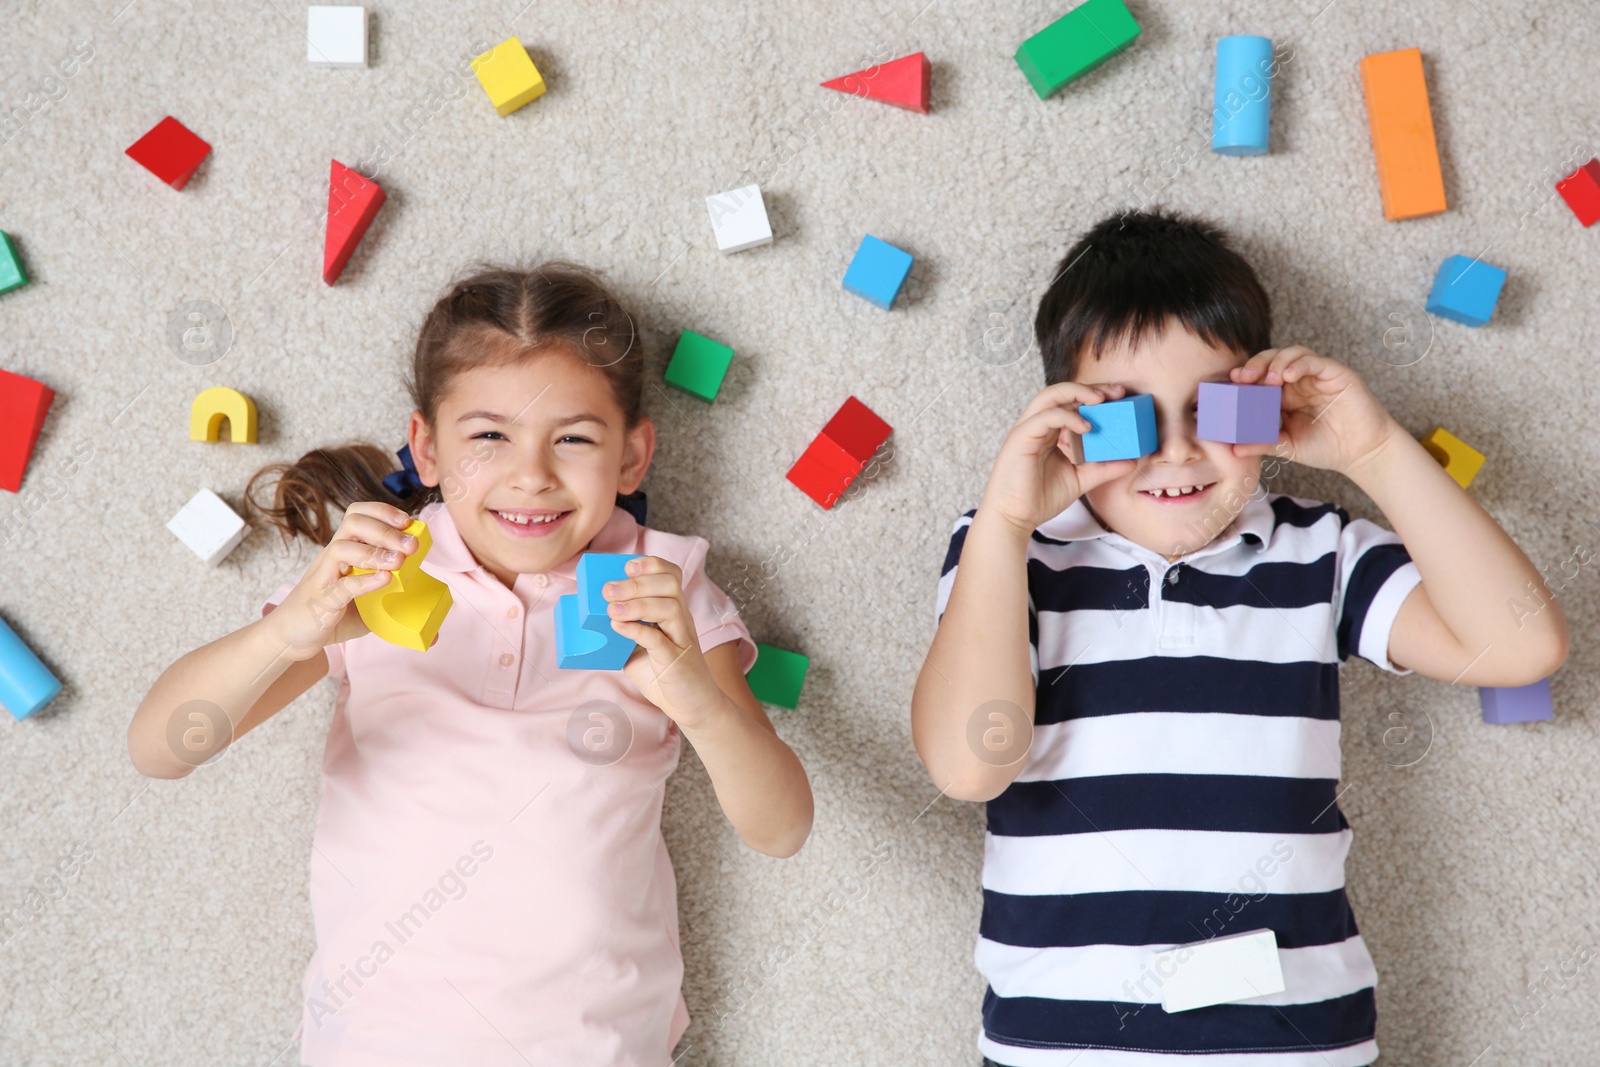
170 151
1581 191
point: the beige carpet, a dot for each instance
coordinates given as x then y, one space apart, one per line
181 935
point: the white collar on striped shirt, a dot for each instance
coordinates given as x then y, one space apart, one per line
1253 526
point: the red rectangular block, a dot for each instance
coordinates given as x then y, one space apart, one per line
1581 191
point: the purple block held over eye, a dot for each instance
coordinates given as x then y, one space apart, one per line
1523 703
1239 414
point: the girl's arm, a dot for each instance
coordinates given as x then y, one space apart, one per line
760 784
213 696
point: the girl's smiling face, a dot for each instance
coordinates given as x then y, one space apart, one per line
530 455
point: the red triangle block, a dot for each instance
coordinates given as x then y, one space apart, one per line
902 82
23 404
170 151
353 202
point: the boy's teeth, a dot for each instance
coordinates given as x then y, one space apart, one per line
1185 491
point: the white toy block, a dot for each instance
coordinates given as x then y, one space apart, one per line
208 526
739 219
336 36
1219 971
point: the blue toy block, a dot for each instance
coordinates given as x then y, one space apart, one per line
1122 429
1523 703
26 685
585 638
1239 414
1466 290
877 271
1242 98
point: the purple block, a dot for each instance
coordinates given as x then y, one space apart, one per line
1523 703
1239 414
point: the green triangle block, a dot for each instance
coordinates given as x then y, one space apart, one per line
698 365
12 276
777 676
1075 44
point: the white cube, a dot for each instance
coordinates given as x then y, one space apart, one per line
336 36
739 219
1220 971
208 526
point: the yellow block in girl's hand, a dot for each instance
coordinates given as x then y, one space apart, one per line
508 75
407 612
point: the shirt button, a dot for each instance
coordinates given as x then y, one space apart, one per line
1172 576
513 611
506 659
540 580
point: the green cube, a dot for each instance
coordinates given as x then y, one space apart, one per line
12 276
777 676
698 365
1075 44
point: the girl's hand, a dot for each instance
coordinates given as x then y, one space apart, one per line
1331 419
317 611
1034 477
670 670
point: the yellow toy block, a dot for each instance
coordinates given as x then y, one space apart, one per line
508 75
407 612
212 406
1460 460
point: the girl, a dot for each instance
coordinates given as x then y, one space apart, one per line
489 883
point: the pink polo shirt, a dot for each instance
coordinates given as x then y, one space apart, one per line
489 883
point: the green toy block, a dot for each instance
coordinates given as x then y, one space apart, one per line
698 365
777 676
1075 44
12 276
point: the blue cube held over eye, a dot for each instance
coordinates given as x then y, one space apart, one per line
585 638
1122 429
1466 290
877 271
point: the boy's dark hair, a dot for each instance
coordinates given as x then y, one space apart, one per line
1125 277
492 315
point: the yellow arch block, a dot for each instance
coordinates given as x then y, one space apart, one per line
407 612
220 403
1460 460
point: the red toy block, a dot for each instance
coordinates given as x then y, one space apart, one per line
353 202
902 82
23 404
839 453
170 151
1581 191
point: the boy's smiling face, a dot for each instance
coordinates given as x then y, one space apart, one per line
540 440
1170 366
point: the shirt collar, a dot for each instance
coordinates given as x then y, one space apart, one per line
450 552
1252 526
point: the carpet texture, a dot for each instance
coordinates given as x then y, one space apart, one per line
182 930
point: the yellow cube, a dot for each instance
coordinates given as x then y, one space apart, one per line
508 75
1460 460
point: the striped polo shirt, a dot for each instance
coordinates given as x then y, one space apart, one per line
1182 785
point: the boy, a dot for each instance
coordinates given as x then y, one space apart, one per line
1137 666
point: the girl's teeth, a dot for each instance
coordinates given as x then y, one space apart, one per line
521 521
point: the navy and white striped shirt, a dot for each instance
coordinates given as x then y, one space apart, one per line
1180 786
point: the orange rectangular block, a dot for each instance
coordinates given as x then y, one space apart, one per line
1402 134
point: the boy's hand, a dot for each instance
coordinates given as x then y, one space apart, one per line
1331 419
669 668
1034 477
317 611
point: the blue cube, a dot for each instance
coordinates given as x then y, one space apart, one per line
1123 429
585 638
1466 290
1523 703
877 271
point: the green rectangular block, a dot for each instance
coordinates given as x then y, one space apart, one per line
1075 44
698 365
777 676
12 275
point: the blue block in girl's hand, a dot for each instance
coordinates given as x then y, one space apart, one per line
585 638
1122 429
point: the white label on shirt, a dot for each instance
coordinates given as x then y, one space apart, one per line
1219 971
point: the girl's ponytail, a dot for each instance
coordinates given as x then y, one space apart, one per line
326 479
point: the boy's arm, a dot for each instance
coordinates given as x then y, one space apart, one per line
979 656
1459 624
